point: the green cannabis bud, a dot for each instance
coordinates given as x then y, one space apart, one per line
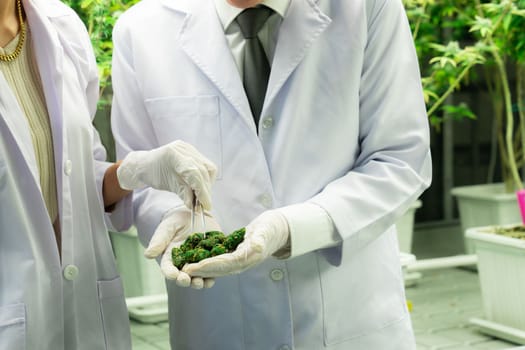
234 238
218 250
199 246
177 255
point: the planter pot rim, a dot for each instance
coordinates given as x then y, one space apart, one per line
489 192
481 234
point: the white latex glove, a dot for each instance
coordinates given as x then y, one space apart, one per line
176 167
265 235
172 231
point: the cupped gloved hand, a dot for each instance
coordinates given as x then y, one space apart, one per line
176 167
266 235
172 231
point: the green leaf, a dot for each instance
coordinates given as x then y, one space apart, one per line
84 4
459 111
482 25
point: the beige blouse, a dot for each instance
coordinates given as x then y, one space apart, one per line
23 77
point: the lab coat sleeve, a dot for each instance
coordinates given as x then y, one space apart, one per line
310 229
394 166
121 217
133 131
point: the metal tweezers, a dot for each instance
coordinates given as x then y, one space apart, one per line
196 205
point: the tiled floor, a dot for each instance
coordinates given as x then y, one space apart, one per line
150 336
442 303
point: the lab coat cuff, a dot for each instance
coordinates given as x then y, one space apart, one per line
311 228
121 217
100 170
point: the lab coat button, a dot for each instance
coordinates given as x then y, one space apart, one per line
285 347
267 123
266 200
70 272
277 275
67 167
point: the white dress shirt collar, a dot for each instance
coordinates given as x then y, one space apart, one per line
227 12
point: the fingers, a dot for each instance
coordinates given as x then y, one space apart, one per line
177 167
210 167
222 265
197 283
183 280
159 241
191 151
201 283
203 194
127 172
186 194
247 255
171 224
197 171
201 184
198 181
169 270
209 282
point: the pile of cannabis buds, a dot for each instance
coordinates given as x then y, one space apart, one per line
199 246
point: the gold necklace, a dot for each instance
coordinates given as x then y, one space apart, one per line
21 39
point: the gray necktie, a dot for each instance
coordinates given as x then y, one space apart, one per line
256 68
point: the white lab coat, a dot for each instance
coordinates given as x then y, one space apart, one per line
343 126
45 303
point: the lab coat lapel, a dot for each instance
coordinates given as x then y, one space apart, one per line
302 25
49 54
17 125
202 38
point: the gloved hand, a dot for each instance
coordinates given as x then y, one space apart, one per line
176 167
172 231
266 235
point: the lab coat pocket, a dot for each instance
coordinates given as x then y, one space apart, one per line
13 327
193 119
364 295
114 313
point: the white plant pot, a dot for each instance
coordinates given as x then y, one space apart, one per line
405 228
482 205
140 276
501 267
